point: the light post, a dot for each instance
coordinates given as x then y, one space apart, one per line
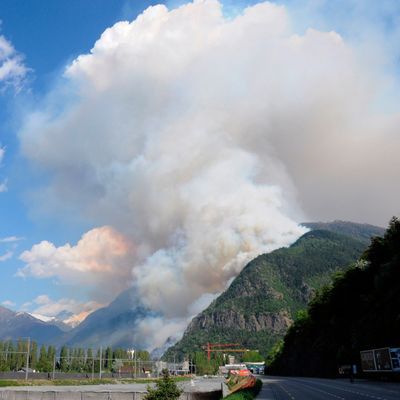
100 361
27 358
132 353
135 363
54 366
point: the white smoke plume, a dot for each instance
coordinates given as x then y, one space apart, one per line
190 134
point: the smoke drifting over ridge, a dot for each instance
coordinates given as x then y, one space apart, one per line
199 139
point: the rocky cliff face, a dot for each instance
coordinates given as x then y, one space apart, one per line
276 323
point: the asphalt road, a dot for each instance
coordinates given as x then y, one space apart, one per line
279 388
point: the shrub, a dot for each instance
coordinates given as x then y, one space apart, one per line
165 389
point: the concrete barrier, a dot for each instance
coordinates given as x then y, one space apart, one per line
214 395
225 390
108 395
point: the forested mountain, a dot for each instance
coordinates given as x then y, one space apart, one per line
363 232
262 302
360 310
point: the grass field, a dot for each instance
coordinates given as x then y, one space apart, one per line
78 382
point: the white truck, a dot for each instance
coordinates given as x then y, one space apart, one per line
386 359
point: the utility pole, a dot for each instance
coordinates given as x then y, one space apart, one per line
135 362
101 350
27 358
54 366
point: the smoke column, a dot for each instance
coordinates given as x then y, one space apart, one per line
184 135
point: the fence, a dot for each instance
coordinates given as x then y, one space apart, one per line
79 363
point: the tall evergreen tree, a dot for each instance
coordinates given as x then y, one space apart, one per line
44 365
108 358
51 356
166 389
3 362
11 356
33 355
89 364
64 359
22 348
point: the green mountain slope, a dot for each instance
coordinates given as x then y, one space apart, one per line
262 302
363 232
361 310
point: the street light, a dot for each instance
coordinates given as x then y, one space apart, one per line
133 353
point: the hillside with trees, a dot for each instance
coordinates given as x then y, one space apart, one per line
265 298
358 311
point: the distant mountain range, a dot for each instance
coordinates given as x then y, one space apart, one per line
64 320
256 310
14 325
109 326
262 301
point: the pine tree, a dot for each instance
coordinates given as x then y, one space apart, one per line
81 359
21 354
43 364
97 362
33 355
89 366
74 360
11 356
3 362
108 358
166 389
64 359
51 354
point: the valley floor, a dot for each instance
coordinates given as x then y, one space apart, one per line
199 388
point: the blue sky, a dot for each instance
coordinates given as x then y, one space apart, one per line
46 36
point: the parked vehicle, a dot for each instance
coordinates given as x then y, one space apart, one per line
385 359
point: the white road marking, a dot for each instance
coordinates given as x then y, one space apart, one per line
371 396
321 391
287 392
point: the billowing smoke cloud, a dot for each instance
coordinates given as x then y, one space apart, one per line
189 134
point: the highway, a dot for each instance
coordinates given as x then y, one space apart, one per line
280 388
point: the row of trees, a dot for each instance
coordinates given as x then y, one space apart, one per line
46 358
13 357
209 367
